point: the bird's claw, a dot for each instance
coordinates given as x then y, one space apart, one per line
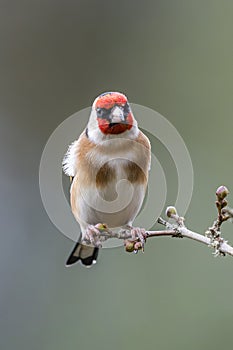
92 236
139 234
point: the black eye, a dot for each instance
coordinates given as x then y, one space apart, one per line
99 112
126 109
102 113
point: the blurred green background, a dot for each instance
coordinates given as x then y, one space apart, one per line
170 55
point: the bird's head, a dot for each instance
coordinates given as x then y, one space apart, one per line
111 115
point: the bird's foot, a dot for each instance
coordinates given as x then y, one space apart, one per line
93 235
139 235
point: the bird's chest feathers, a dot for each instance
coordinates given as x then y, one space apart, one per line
119 169
110 167
112 184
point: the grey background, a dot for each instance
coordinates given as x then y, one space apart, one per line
56 56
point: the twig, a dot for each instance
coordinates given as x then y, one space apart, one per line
224 249
212 236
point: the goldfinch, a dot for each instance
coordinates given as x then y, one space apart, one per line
109 166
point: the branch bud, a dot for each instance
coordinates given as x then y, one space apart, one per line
101 227
222 192
171 212
129 246
224 203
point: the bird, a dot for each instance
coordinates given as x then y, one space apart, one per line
109 167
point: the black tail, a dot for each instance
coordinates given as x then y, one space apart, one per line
87 255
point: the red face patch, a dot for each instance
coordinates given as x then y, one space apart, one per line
110 99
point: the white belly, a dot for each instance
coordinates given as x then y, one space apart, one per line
117 204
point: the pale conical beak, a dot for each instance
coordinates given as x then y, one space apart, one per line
117 115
